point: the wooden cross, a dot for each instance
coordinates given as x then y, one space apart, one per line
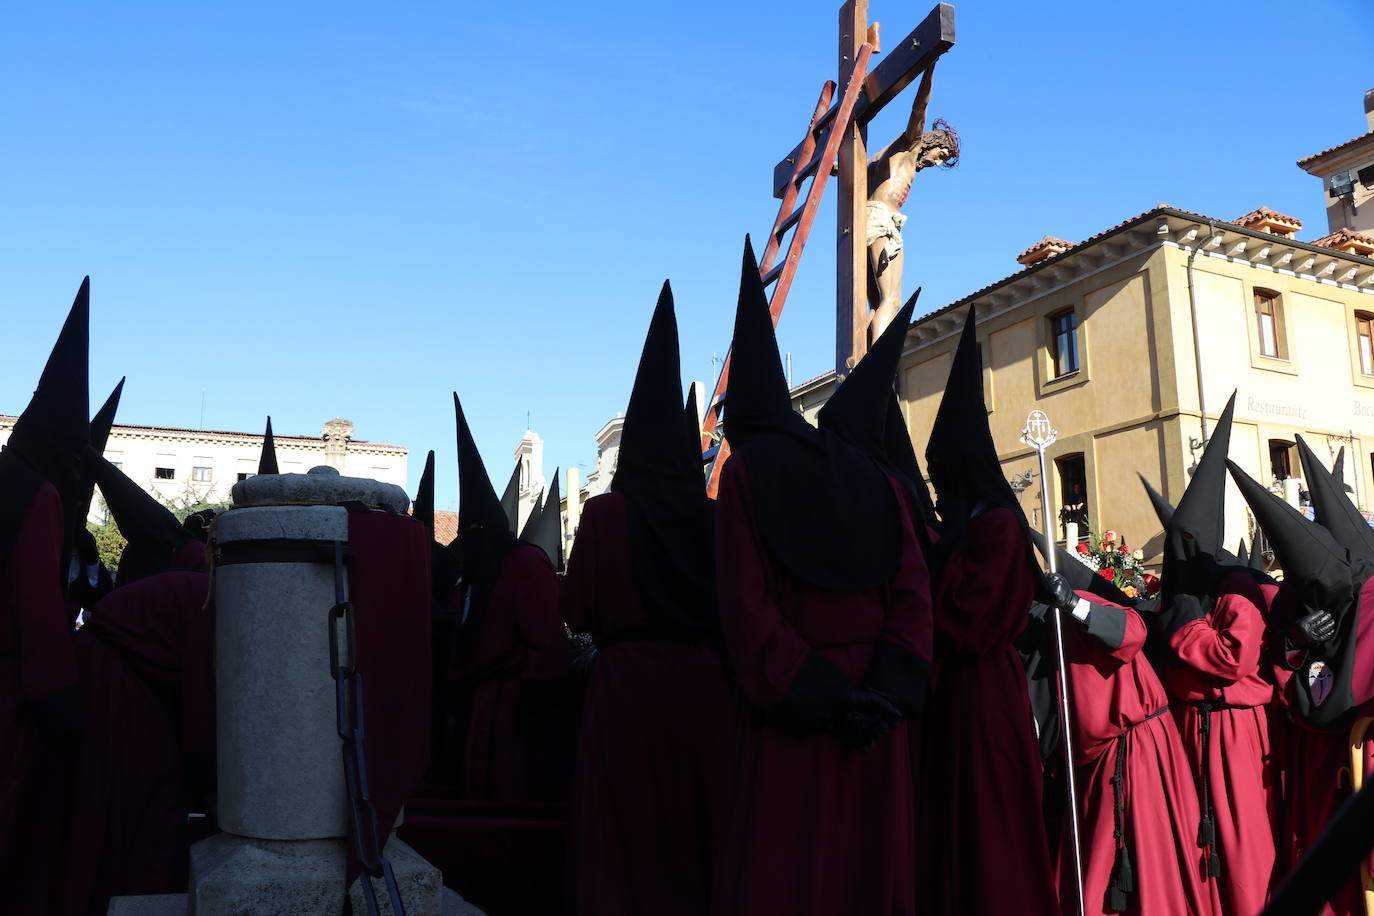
906 60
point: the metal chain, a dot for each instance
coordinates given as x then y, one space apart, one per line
348 694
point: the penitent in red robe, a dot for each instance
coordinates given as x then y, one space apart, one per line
1120 708
146 656
37 660
522 639
1316 762
811 826
1221 669
646 803
984 848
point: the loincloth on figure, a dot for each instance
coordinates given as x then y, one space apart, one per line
885 223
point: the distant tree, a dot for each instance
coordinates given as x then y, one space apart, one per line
110 542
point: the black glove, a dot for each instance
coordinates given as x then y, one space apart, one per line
59 718
866 718
1319 626
1061 591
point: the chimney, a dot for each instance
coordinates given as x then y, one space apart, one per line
1043 250
1266 220
1369 109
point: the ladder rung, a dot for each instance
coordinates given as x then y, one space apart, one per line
792 219
772 276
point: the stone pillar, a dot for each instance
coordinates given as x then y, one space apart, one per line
282 802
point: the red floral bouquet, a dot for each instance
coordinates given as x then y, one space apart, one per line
1118 564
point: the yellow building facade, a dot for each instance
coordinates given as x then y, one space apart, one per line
1129 339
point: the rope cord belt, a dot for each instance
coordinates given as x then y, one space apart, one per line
1122 883
1207 826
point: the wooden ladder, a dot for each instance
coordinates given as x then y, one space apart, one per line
779 274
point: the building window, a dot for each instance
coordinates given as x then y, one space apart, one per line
1280 458
165 473
1064 342
1364 341
1269 323
244 475
1073 495
200 475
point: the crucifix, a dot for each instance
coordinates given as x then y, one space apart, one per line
869 249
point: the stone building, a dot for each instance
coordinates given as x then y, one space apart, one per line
185 466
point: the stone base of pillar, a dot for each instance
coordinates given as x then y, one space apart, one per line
232 875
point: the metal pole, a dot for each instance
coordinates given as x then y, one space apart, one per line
1039 443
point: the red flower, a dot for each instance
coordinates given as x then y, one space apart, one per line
1107 574
1125 550
1083 549
1151 583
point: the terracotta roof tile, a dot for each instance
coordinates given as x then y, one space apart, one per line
1047 247
1258 218
1340 147
1348 241
445 526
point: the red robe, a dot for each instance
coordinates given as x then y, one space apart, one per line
983 835
146 656
1120 706
37 659
645 808
1317 763
811 826
522 638
1221 657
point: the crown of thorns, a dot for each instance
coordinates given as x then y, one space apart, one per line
942 136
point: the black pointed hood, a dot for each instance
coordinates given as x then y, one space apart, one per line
59 409
423 510
1338 467
825 509
1164 510
651 442
1195 529
1242 553
478 506
669 519
103 421
1305 550
267 459
547 533
1255 560
100 427
51 434
532 520
757 400
1315 568
900 460
152 531
1333 509
691 417
857 410
961 455
484 536
510 498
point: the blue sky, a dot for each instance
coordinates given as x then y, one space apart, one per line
315 209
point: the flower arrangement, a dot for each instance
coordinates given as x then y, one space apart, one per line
1118 564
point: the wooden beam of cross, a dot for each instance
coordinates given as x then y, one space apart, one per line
906 60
